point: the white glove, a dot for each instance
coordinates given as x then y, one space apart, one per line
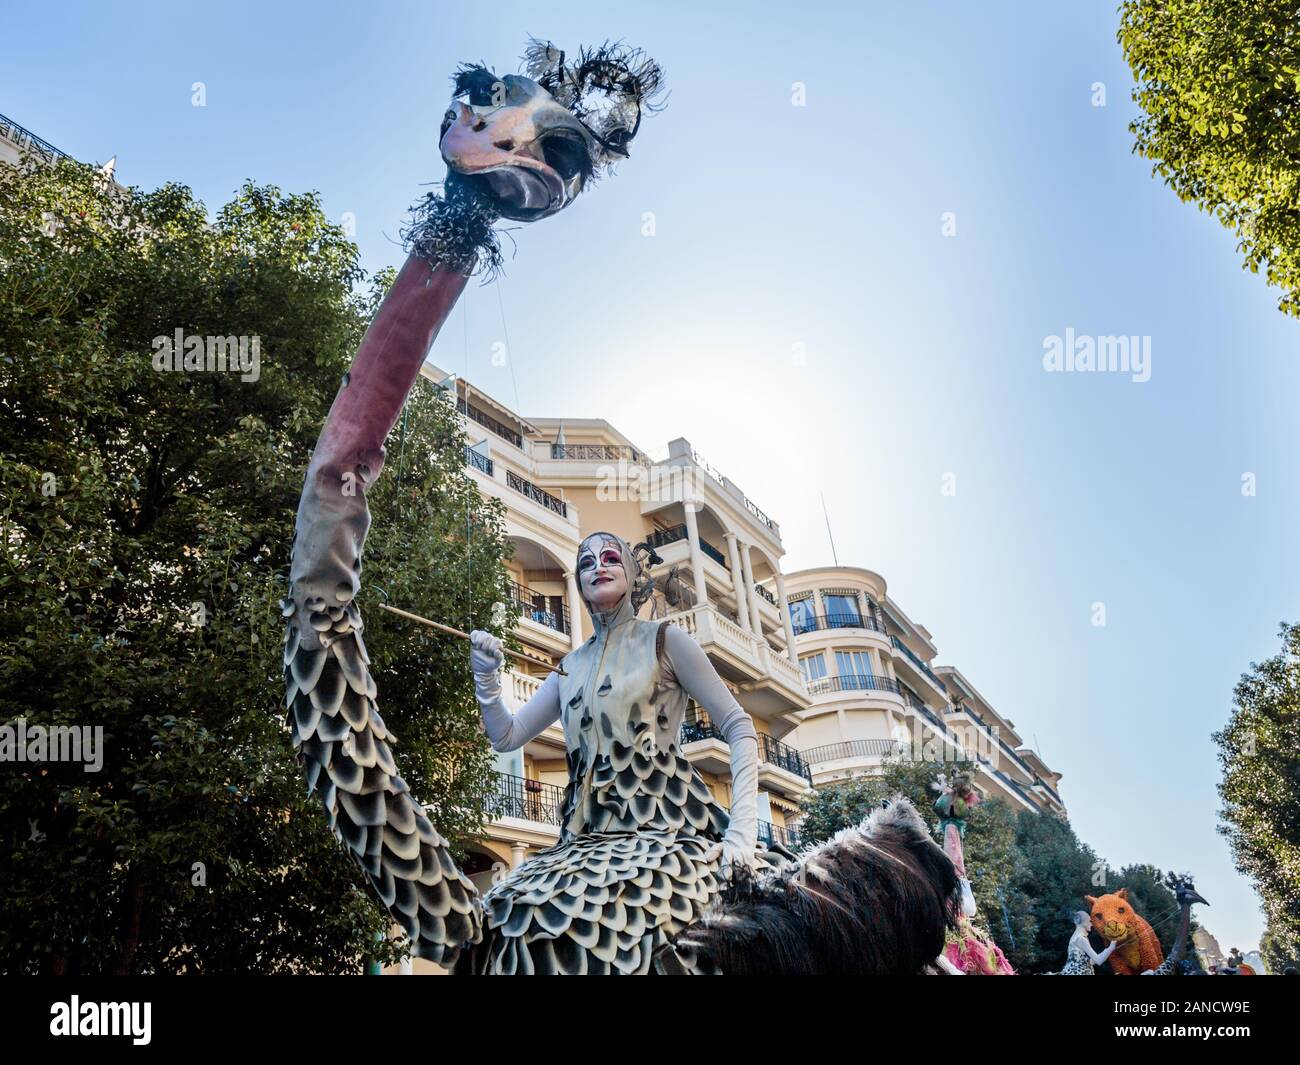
485 656
737 846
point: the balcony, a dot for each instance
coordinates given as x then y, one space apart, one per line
1001 744
781 755
478 461
771 752
774 683
490 423
765 594
853 682
1009 783
785 836
836 621
725 482
662 537
597 453
537 495
527 603
847 749
528 800
912 657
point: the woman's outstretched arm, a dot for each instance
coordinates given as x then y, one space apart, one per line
697 677
507 731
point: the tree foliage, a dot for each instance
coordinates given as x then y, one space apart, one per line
1218 82
147 518
1260 789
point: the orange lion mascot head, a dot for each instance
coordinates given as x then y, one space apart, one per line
1115 920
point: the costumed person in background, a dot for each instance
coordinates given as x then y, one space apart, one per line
651 874
1080 957
967 946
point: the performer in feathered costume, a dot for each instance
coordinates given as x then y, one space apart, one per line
645 851
968 947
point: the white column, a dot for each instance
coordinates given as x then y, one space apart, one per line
575 609
518 851
737 580
784 605
697 556
755 619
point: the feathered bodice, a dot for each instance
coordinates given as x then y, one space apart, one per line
622 729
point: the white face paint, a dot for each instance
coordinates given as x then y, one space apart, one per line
601 576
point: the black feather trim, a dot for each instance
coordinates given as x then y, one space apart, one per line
455 228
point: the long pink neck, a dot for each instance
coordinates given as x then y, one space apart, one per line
389 360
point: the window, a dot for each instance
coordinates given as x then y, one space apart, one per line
813 666
853 663
841 610
802 618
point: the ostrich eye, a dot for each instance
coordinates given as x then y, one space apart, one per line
566 155
1121 909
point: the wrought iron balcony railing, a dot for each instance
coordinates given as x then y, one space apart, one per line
786 836
663 537
783 756
479 461
526 600
834 752
25 138
849 682
488 422
697 726
765 594
537 495
530 800
1008 781
915 659
809 623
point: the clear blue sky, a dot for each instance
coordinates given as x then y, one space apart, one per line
821 226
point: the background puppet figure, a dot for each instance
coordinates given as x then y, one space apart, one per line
956 798
968 947
1136 947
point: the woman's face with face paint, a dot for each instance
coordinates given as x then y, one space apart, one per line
601 576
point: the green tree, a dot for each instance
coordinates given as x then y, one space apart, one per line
1055 872
1260 788
1218 82
147 520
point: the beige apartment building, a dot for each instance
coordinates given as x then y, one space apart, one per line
834 673
874 693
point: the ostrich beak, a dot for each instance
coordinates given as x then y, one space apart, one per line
497 147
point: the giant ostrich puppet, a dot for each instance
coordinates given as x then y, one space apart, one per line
621 897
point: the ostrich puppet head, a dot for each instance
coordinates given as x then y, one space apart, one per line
523 146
